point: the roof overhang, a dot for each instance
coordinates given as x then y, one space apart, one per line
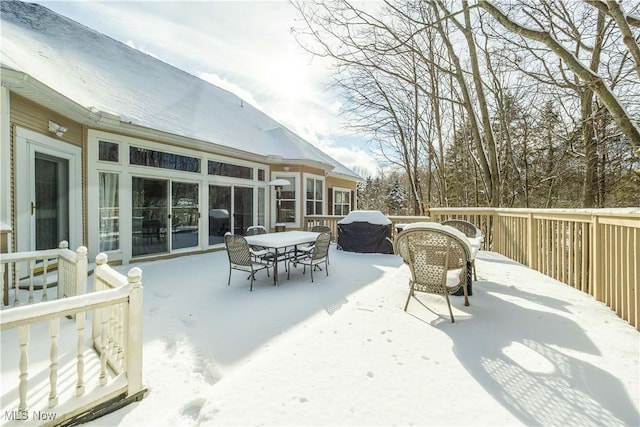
41 94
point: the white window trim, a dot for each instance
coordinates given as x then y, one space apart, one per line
274 203
333 198
324 192
25 139
5 157
127 172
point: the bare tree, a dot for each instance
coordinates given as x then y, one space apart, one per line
584 73
445 101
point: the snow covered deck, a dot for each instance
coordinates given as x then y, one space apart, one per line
529 350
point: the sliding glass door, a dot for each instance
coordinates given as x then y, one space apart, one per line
150 216
184 215
230 209
219 213
242 209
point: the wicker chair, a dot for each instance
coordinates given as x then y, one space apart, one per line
315 256
469 230
241 257
434 255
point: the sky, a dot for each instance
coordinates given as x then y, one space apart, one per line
528 350
244 47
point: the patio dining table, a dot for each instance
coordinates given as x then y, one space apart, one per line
279 242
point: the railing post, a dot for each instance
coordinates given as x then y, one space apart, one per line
135 327
63 274
531 242
81 270
595 259
495 227
5 231
99 320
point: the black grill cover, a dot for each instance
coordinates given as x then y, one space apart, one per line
365 237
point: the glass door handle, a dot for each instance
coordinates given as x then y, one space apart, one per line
33 208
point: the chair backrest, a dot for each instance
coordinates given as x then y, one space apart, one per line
430 254
467 228
321 229
255 229
321 247
237 250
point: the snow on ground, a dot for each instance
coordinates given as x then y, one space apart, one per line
341 351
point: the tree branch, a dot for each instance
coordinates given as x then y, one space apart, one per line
591 78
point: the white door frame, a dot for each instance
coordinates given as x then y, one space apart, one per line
27 144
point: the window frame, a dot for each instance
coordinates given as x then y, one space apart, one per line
322 201
297 199
334 199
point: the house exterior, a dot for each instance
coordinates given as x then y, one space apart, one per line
107 147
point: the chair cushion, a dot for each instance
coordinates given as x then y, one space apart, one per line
452 230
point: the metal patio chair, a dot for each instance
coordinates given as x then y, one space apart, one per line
316 255
260 254
317 229
241 257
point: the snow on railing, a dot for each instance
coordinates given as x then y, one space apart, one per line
116 307
42 269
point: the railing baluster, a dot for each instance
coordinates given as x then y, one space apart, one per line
54 330
112 328
23 365
133 344
121 335
80 321
16 298
45 267
4 295
102 316
32 266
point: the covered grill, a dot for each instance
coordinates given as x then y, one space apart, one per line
365 232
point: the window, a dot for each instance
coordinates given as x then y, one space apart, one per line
262 204
160 159
314 196
341 202
261 174
286 201
219 213
109 212
108 151
228 169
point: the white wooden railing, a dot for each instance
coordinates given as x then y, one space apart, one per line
115 348
117 329
38 269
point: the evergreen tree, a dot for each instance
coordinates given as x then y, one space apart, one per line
397 202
